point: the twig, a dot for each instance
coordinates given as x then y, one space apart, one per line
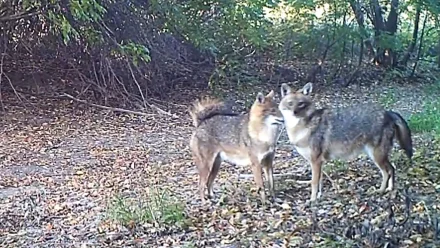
334 185
291 175
19 16
407 207
6 76
161 111
1 74
106 107
284 175
137 84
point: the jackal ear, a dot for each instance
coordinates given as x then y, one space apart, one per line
307 89
285 89
271 94
260 98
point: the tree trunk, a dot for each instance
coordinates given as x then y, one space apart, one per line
414 37
420 45
438 52
385 56
357 10
361 55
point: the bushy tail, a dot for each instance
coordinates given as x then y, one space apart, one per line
206 108
403 133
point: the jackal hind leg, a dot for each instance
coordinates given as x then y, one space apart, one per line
213 174
379 155
204 168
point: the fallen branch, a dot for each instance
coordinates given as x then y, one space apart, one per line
19 16
106 107
3 74
288 175
292 175
161 111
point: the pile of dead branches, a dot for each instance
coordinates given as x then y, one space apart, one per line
35 58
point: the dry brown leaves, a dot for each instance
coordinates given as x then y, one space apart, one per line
61 166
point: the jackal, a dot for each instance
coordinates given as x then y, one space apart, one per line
240 139
324 134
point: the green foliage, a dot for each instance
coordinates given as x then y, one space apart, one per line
231 30
136 52
428 120
62 25
234 32
160 208
81 13
390 41
86 10
217 26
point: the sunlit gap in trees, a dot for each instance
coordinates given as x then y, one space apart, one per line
285 11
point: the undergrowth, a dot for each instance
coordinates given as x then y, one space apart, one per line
159 208
428 120
388 98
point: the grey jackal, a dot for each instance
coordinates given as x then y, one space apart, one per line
325 134
240 139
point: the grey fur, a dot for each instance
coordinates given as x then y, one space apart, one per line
245 139
324 134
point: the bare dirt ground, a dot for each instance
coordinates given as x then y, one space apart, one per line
61 164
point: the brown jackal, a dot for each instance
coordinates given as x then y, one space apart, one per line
325 134
240 139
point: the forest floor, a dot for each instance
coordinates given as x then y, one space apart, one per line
73 176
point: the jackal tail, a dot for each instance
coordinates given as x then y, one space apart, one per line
403 133
207 108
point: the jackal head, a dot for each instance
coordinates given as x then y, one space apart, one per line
296 104
265 110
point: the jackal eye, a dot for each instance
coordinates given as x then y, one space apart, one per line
301 104
290 104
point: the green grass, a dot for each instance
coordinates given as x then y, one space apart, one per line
432 89
160 208
336 166
388 99
427 120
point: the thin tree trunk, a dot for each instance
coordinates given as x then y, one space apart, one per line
361 55
414 37
357 10
385 55
420 45
438 52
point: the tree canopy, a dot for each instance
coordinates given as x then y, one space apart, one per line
133 49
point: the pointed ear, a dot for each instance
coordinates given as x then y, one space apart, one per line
285 89
307 89
260 98
271 94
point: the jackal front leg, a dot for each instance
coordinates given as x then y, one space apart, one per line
316 180
268 171
258 177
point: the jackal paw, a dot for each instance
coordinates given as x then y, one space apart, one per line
310 203
211 196
319 194
380 191
389 188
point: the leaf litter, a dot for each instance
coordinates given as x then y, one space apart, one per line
64 166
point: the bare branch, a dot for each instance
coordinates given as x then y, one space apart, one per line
19 16
105 107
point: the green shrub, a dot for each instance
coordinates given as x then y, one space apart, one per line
160 208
